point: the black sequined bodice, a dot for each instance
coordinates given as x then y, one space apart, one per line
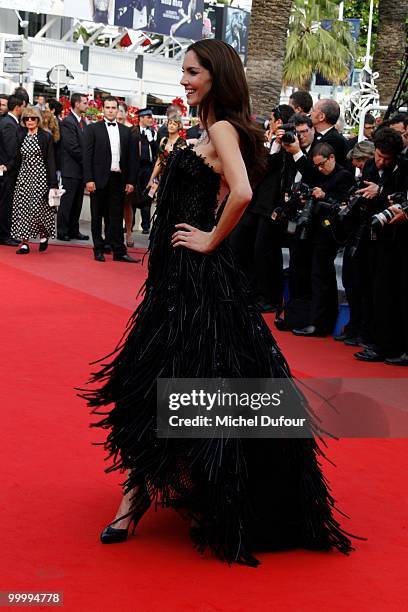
188 191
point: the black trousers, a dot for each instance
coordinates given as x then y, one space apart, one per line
107 206
312 273
70 208
353 278
388 270
325 301
300 268
257 245
7 186
144 202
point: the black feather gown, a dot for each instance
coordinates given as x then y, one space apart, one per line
197 319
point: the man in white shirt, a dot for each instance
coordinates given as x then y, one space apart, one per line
110 166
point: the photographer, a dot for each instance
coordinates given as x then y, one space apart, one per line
330 189
384 251
296 143
257 240
352 269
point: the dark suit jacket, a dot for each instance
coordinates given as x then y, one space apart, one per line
72 147
10 133
144 146
194 132
162 132
98 156
47 149
337 184
268 193
310 175
337 141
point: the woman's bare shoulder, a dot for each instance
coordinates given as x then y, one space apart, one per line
223 128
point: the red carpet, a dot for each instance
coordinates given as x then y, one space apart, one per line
61 310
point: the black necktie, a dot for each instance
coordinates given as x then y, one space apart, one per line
110 123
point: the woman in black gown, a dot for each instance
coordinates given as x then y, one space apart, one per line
198 320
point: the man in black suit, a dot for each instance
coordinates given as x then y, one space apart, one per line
384 260
324 115
148 147
109 172
257 239
334 184
10 131
72 144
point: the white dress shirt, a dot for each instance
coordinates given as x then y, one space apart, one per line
114 138
77 117
296 156
323 132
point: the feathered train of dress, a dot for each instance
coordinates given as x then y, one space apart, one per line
197 320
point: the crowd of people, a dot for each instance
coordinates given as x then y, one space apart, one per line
47 159
322 193
312 202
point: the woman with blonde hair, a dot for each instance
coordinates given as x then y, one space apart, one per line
50 124
32 215
167 145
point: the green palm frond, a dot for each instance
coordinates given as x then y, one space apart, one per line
311 49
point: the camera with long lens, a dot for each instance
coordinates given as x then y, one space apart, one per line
297 211
292 207
289 137
304 194
355 203
355 217
379 220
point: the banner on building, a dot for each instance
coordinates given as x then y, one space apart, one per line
178 18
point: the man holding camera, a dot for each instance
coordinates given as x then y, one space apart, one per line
385 247
257 240
331 188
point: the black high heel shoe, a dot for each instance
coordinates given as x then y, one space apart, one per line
110 535
43 246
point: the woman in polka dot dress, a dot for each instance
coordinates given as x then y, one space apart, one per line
32 215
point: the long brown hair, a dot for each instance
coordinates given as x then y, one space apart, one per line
228 99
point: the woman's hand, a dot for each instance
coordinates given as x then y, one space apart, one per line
192 238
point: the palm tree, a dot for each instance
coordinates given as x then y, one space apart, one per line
389 50
312 48
266 52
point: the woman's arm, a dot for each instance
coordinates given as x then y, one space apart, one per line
157 166
155 173
226 143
